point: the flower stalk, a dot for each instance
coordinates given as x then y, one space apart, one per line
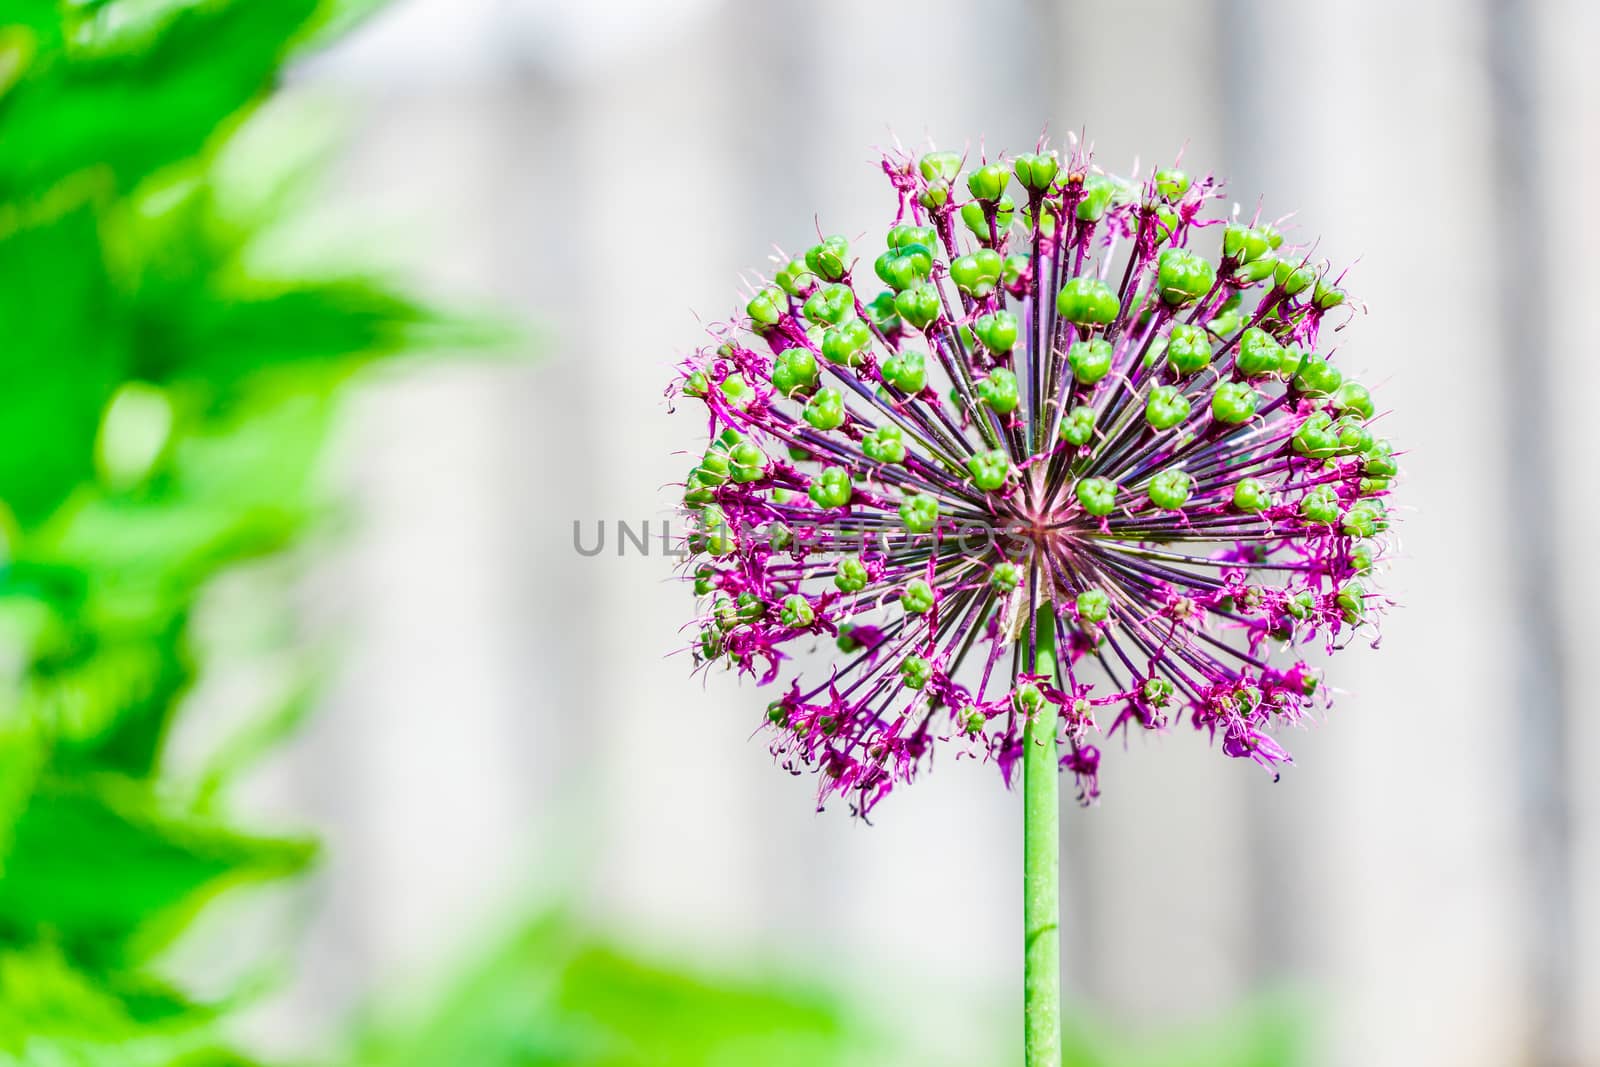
1041 864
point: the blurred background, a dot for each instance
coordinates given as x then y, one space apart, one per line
538 836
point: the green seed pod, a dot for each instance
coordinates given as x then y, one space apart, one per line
829 260
971 721
907 371
1316 376
1170 489
717 538
918 305
1166 407
1257 270
915 672
1188 349
1244 244
1354 438
1326 296
972 215
990 470
904 267
1166 224
1028 699
1363 519
704 581
766 308
737 391
825 411
831 488
919 513
1320 506
843 345
1097 195
977 274
1293 278
999 391
1036 172
884 445
697 496
851 575
1252 496
751 608
883 314
939 166
696 384
796 278
1077 428
1093 606
1233 403
830 304
997 331
988 182
1183 277
1302 604
1316 437
1259 355
1353 398
713 469
905 236
1098 496
797 612
1351 602
1090 360
749 463
1087 302
1379 461
795 372
1005 577
1171 184
917 598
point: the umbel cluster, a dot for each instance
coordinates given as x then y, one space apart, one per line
1051 388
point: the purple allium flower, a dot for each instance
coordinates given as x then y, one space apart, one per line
1071 390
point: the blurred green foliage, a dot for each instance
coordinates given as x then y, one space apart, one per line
556 994
162 408
1270 1032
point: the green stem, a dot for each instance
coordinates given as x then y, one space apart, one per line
1041 865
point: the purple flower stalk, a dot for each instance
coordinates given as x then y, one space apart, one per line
1069 405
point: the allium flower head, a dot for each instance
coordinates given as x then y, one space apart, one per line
1052 389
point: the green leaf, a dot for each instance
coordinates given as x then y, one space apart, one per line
556 995
102 864
131 102
61 361
53 1013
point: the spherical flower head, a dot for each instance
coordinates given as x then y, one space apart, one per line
1051 391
